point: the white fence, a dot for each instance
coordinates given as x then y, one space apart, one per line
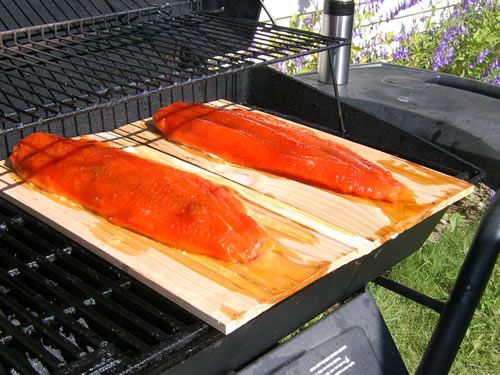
377 16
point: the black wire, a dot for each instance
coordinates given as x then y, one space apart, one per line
267 12
336 91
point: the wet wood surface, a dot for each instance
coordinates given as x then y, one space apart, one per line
313 231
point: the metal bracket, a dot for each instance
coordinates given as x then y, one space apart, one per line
466 294
414 295
336 91
268 12
456 314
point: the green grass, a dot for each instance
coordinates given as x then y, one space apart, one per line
432 270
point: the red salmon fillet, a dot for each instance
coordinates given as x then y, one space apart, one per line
269 144
166 204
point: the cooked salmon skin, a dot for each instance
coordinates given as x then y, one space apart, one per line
164 203
273 145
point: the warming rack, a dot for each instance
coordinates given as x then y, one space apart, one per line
63 69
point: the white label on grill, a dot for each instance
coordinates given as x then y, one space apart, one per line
334 364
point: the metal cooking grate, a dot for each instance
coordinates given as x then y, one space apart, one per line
24 13
63 309
59 70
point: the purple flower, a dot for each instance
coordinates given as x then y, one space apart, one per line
308 21
486 72
491 194
471 66
443 55
303 5
298 63
495 81
482 56
445 50
402 54
403 5
491 68
281 66
450 35
372 6
356 33
466 4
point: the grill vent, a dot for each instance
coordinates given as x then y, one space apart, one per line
71 311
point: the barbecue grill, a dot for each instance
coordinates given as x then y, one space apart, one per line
85 67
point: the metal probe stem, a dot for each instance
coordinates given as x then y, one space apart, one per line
336 91
267 12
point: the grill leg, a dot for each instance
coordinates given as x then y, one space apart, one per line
465 296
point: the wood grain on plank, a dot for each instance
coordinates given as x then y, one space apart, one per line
223 294
427 191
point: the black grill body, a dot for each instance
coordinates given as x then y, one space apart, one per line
433 105
65 310
117 322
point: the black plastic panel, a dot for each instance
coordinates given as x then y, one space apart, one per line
353 338
457 114
275 92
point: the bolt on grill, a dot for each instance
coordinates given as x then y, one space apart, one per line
62 307
59 70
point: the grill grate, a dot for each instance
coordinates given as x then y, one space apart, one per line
55 71
63 309
23 13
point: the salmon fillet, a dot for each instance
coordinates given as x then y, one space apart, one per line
161 202
272 145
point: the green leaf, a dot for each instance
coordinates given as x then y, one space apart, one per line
455 219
